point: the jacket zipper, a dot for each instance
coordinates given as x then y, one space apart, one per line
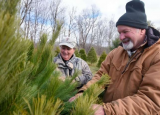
130 61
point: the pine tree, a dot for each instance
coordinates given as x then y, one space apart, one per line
84 103
27 75
30 84
13 55
115 43
82 54
57 51
101 59
77 53
92 56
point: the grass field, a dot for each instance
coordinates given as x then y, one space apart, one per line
93 68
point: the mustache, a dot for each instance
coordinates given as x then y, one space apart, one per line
125 40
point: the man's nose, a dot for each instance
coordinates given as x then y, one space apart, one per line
65 50
121 36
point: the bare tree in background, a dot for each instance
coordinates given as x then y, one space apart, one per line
150 23
25 7
86 24
34 17
39 16
89 29
57 13
72 26
111 32
101 35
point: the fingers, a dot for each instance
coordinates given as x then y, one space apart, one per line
75 97
98 109
62 78
72 99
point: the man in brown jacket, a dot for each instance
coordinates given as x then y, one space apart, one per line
134 67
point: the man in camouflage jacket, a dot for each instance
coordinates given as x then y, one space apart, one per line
68 63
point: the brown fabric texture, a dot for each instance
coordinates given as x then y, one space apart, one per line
135 87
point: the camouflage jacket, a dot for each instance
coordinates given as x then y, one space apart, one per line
74 64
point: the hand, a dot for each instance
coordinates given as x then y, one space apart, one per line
75 97
98 109
62 78
70 65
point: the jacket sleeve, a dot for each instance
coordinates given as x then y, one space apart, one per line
104 69
86 74
146 101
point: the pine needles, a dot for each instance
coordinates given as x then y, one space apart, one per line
84 103
29 82
42 106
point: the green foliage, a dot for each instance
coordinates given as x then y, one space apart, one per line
30 84
115 43
93 68
13 53
83 106
55 33
84 103
92 56
43 106
53 100
26 70
57 51
9 6
101 59
77 53
82 54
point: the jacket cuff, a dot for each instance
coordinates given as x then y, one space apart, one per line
77 79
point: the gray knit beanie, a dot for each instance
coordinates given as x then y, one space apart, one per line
135 15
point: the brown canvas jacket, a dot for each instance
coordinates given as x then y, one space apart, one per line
135 87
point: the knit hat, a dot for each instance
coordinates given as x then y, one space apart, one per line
135 15
67 41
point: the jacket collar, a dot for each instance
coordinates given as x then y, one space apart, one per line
60 59
153 36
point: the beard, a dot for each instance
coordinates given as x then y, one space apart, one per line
129 45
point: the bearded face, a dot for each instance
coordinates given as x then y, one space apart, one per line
130 37
127 44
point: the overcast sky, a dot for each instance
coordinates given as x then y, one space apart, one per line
116 8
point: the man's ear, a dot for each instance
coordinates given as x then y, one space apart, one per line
142 31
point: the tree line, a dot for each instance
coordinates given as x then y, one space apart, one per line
88 27
91 57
